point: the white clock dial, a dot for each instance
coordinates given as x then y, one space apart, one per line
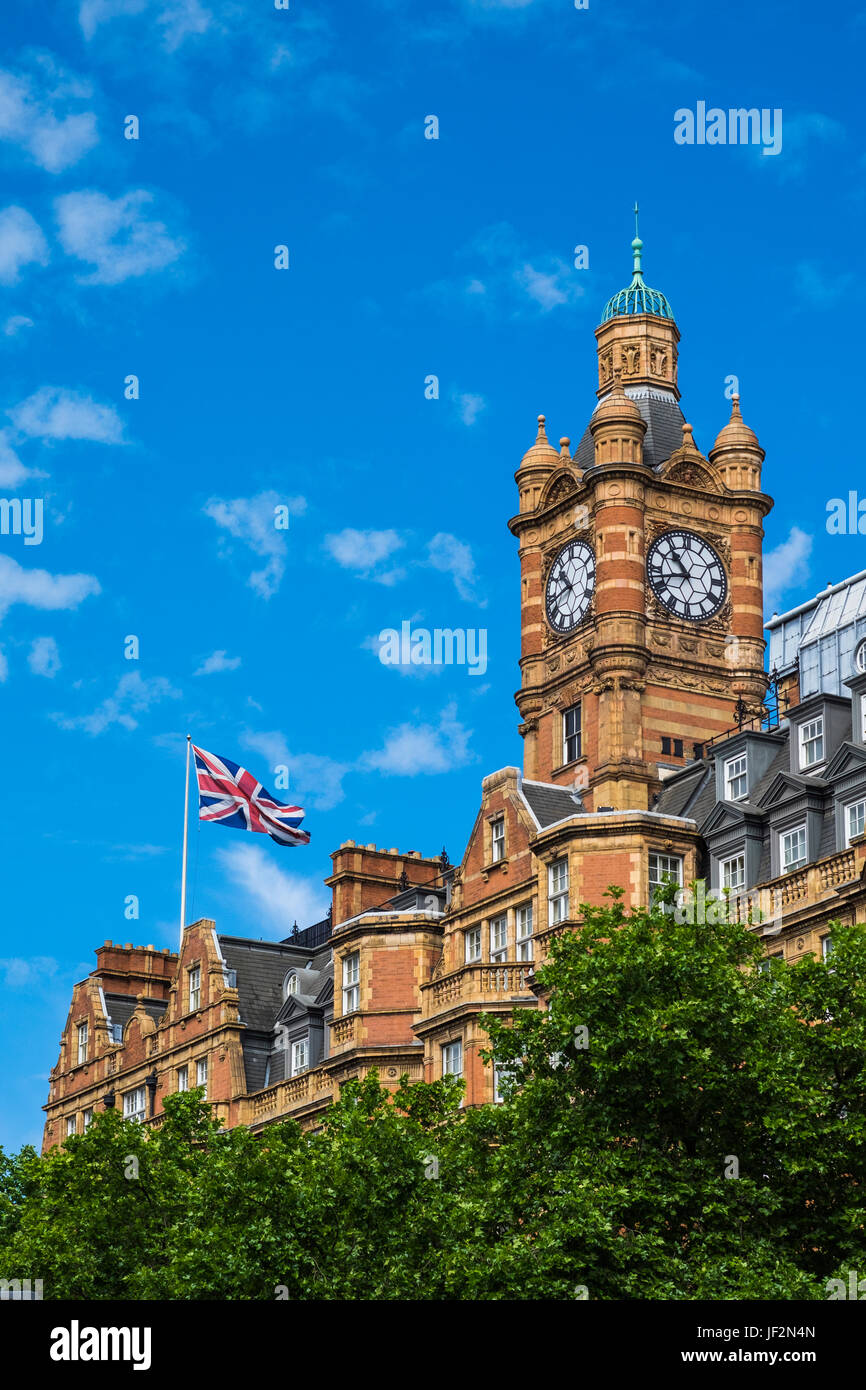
686 575
569 586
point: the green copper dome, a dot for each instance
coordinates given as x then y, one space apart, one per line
637 298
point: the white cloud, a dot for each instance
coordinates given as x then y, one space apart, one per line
93 13
12 470
506 276
315 782
34 115
114 235
19 973
451 556
365 551
469 407
13 325
44 657
21 243
134 695
53 412
176 19
4 667
39 589
411 749
786 566
218 661
252 521
279 897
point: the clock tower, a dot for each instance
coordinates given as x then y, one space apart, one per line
641 587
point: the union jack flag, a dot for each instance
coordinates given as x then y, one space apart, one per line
229 795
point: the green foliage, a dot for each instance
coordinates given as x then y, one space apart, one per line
680 1125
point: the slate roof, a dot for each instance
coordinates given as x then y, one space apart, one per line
680 791
121 1007
664 421
262 967
551 804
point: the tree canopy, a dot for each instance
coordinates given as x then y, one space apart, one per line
680 1122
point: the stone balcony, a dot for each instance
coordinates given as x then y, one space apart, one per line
481 981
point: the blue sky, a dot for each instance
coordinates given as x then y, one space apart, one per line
408 257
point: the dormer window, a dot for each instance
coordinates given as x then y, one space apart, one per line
812 742
300 1055
733 873
291 985
855 821
792 844
736 778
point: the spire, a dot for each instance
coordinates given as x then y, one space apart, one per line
637 245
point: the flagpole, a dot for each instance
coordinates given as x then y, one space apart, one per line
185 833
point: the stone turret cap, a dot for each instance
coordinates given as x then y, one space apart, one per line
736 433
616 407
541 451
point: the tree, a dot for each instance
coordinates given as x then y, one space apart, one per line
684 1120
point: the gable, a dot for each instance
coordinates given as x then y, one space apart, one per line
849 757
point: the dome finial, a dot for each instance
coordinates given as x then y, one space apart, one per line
637 244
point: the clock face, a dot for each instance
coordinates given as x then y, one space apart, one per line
569 586
686 575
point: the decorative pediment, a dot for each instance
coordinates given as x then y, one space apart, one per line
726 814
560 487
787 786
691 473
849 757
326 993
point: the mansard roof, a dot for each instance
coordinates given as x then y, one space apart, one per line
681 790
549 803
664 421
261 968
727 813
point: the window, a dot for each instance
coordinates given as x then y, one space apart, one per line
733 873
557 891
812 742
201 1074
764 965
793 848
82 1042
117 1032
662 869
194 988
300 1055
855 820
678 748
88 1119
826 947
698 750
70 1125
666 746
291 984
863 717
133 1105
524 931
499 938
736 780
452 1059
351 982
183 1078
571 735
497 830
500 1074
472 945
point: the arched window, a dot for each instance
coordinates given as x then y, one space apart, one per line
291 985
